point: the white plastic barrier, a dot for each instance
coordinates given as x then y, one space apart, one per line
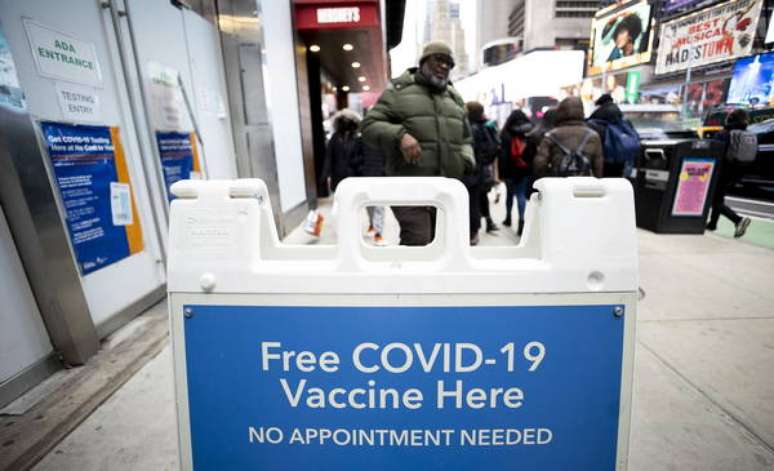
439 357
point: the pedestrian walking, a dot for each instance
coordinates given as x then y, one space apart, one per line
419 124
572 148
341 149
369 162
485 148
740 146
620 142
515 164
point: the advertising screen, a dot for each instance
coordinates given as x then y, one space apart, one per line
751 82
620 37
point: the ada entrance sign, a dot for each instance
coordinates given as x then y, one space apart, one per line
404 388
61 56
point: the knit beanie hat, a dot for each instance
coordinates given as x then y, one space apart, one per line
435 47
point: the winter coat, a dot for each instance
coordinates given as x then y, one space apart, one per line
342 149
505 165
569 131
485 149
435 118
604 115
369 162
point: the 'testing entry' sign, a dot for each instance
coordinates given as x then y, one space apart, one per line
404 387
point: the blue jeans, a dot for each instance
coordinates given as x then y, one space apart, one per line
516 187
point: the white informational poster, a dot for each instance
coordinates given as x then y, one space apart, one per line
78 103
715 34
167 106
61 56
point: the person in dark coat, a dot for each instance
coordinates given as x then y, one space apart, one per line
479 183
517 152
571 132
341 149
607 112
736 120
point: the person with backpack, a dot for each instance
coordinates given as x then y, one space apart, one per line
485 149
620 141
515 164
741 146
572 148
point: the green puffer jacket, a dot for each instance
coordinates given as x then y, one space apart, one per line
435 118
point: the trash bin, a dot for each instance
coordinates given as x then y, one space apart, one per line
351 356
674 184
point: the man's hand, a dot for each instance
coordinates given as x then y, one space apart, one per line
410 148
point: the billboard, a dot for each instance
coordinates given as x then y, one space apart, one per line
620 37
751 82
715 34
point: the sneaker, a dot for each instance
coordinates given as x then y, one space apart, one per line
741 228
379 240
371 232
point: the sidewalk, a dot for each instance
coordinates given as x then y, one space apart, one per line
704 382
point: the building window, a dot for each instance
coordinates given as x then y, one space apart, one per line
576 8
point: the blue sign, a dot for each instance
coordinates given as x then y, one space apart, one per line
94 184
178 157
288 388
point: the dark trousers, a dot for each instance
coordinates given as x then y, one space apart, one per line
417 224
474 206
719 204
484 201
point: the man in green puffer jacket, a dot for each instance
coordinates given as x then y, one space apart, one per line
419 124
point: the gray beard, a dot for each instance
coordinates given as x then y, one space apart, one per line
434 81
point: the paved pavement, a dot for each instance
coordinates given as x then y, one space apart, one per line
704 368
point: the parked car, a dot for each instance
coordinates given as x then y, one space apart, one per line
756 180
715 118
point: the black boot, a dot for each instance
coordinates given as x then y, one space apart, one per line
491 226
507 222
521 228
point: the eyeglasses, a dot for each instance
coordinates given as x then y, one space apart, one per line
443 59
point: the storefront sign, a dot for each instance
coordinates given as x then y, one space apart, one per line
333 15
338 15
468 388
61 56
712 35
168 111
179 158
693 186
78 103
620 37
93 180
11 93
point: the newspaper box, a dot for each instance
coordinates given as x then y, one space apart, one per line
352 356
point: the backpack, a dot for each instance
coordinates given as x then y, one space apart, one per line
620 142
487 145
574 162
742 146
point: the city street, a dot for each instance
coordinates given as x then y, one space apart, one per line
703 389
